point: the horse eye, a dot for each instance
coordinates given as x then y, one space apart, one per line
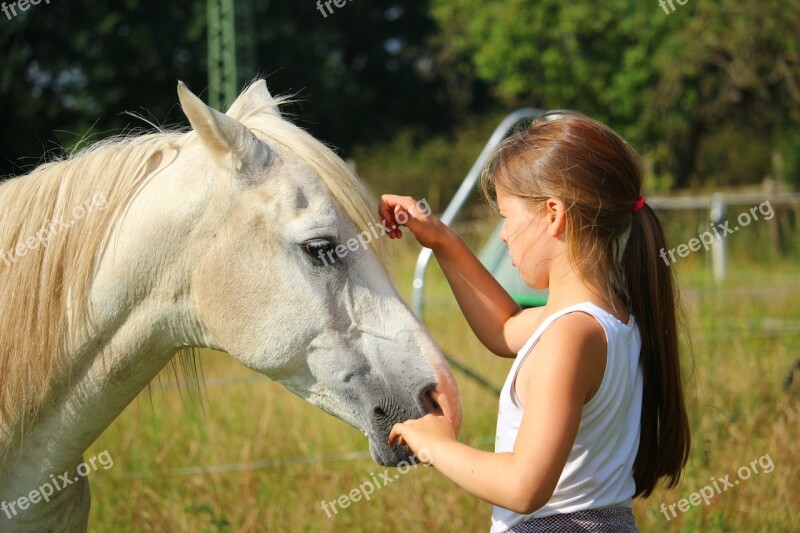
320 250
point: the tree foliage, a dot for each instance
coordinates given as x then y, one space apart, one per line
72 68
667 81
686 88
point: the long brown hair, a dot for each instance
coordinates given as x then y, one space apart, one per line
598 176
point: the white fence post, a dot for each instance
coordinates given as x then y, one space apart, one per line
719 257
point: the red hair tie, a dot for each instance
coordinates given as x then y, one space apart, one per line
639 204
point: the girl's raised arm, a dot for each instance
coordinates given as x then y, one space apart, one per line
496 319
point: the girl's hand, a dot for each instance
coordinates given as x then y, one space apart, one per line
416 216
422 434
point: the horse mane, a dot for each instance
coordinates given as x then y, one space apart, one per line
44 304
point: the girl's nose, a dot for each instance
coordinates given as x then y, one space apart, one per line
503 233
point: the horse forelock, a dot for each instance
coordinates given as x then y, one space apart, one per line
341 181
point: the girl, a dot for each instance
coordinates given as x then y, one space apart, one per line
592 412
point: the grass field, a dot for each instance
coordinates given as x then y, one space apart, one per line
252 457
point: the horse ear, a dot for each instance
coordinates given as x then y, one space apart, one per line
254 99
220 133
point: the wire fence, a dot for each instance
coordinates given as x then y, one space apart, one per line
271 464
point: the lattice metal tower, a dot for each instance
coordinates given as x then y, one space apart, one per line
231 49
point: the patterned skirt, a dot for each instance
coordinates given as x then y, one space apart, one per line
606 520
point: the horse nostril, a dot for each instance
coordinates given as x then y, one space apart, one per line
382 418
429 402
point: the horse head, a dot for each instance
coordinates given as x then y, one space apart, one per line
287 277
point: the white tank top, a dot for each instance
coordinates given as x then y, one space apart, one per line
599 470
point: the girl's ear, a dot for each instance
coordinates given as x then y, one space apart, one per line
556 213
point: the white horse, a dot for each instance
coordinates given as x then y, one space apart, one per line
117 258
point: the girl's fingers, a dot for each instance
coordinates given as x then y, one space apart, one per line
386 209
399 220
444 406
441 399
401 215
390 208
394 434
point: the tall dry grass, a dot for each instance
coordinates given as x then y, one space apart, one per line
276 458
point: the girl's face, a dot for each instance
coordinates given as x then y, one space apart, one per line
525 230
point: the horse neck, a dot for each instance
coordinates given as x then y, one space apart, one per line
139 320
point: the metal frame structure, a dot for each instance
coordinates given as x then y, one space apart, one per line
231 48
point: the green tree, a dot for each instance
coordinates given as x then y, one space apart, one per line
70 69
733 65
73 68
665 81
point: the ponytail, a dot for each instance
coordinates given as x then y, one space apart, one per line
664 439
